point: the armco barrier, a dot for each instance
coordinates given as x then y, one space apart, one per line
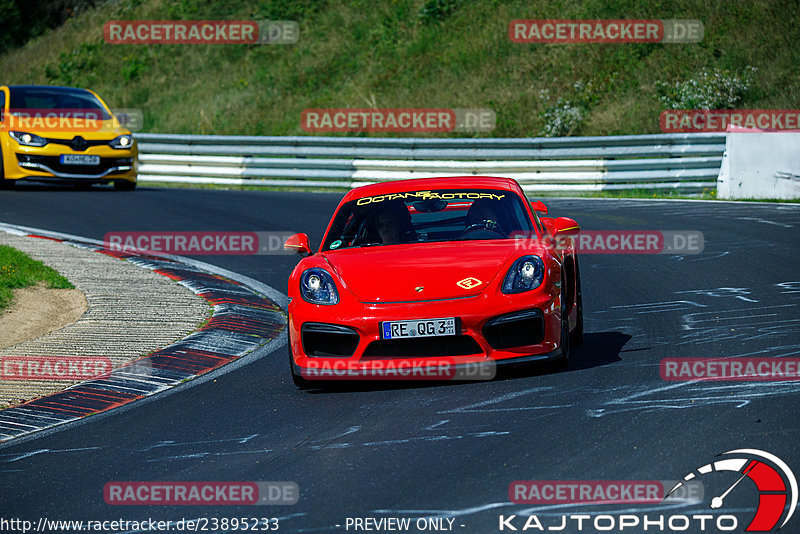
686 162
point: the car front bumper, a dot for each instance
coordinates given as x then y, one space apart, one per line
42 164
500 329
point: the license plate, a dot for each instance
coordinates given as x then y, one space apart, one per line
79 159
418 328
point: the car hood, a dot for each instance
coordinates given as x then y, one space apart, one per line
420 272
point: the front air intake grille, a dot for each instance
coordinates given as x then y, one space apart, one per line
423 347
516 329
322 340
53 163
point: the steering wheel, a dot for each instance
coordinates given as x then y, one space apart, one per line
486 225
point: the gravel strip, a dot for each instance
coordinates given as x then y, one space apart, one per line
132 312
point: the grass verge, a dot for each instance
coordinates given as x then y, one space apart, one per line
421 54
18 270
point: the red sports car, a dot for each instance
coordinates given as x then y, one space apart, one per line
457 270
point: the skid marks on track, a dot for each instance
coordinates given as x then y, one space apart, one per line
693 395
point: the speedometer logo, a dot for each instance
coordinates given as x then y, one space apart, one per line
776 485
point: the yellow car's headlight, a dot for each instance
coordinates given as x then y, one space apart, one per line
27 139
122 142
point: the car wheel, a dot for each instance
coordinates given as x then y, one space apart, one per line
298 380
577 334
5 184
563 360
124 185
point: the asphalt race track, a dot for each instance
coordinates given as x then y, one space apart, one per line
447 451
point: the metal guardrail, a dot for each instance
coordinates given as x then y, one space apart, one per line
686 162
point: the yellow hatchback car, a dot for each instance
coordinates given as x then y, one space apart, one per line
63 134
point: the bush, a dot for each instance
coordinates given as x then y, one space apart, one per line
74 68
718 89
561 119
564 116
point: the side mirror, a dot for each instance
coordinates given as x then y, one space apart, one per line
548 223
539 206
565 226
298 243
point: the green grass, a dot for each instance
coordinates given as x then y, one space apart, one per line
17 270
414 54
410 53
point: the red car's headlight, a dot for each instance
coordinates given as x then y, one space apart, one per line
525 274
317 287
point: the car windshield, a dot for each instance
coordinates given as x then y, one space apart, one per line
428 216
53 98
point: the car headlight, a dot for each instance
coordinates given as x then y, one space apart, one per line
27 139
122 141
525 274
317 287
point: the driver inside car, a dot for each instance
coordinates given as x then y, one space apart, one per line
483 215
393 223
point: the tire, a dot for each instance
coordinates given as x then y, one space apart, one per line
564 344
5 184
298 380
577 334
124 185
